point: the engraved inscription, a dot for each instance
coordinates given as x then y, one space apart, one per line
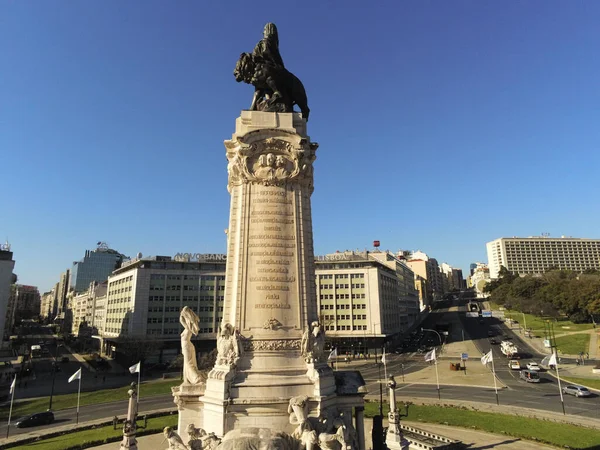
272 244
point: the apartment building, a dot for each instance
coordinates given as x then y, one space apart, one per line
364 298
7 265
534 255
145 296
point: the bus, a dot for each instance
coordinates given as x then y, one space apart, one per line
36 351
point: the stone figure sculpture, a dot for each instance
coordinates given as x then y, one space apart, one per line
298 411
228 346
191 374
174 440
336 434
276 89
313 342
258 439
200 439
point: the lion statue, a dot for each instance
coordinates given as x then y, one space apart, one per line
275 88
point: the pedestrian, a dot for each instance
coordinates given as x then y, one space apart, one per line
577 362
587 356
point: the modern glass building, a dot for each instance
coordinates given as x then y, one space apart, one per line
96 265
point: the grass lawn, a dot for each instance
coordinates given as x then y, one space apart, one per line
537 323
98 436
589 382
573 344
88 398
553 433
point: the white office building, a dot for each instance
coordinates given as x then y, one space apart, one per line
534 255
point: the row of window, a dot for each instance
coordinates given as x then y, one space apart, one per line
363 306
344 317
345 327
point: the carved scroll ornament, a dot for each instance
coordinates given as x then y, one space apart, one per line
271 162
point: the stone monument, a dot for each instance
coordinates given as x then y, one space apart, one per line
130 425
271 374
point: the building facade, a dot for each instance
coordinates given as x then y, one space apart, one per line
145 297
534 255
479 279
96 265
7 265
364 298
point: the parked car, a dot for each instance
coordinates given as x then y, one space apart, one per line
493 341
513 364
577 391
533 366
530 376
32 420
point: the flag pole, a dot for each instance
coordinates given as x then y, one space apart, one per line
494 375
137 398
12 398
78 395
562 400
437 379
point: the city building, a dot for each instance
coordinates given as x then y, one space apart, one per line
61 294
480 277
49 305
534 255
453 278
7 265
428 269
145 296
23 303
472 267
88 309
96 265
365 299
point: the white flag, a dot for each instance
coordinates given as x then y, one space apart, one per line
430 356
383 360
552 360
12 386
488 357
76 376
333 354
135 368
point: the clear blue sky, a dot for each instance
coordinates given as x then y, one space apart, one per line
442 125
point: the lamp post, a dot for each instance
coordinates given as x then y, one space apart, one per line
438 335
54 367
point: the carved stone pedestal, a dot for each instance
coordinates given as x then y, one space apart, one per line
190 407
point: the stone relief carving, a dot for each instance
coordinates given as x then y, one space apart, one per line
313 341
271 162
272 324
229 349
191 373
281 344
200 439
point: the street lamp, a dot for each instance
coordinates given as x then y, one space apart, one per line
54 367
438 335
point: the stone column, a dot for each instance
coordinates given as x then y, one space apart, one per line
270 296
360 426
